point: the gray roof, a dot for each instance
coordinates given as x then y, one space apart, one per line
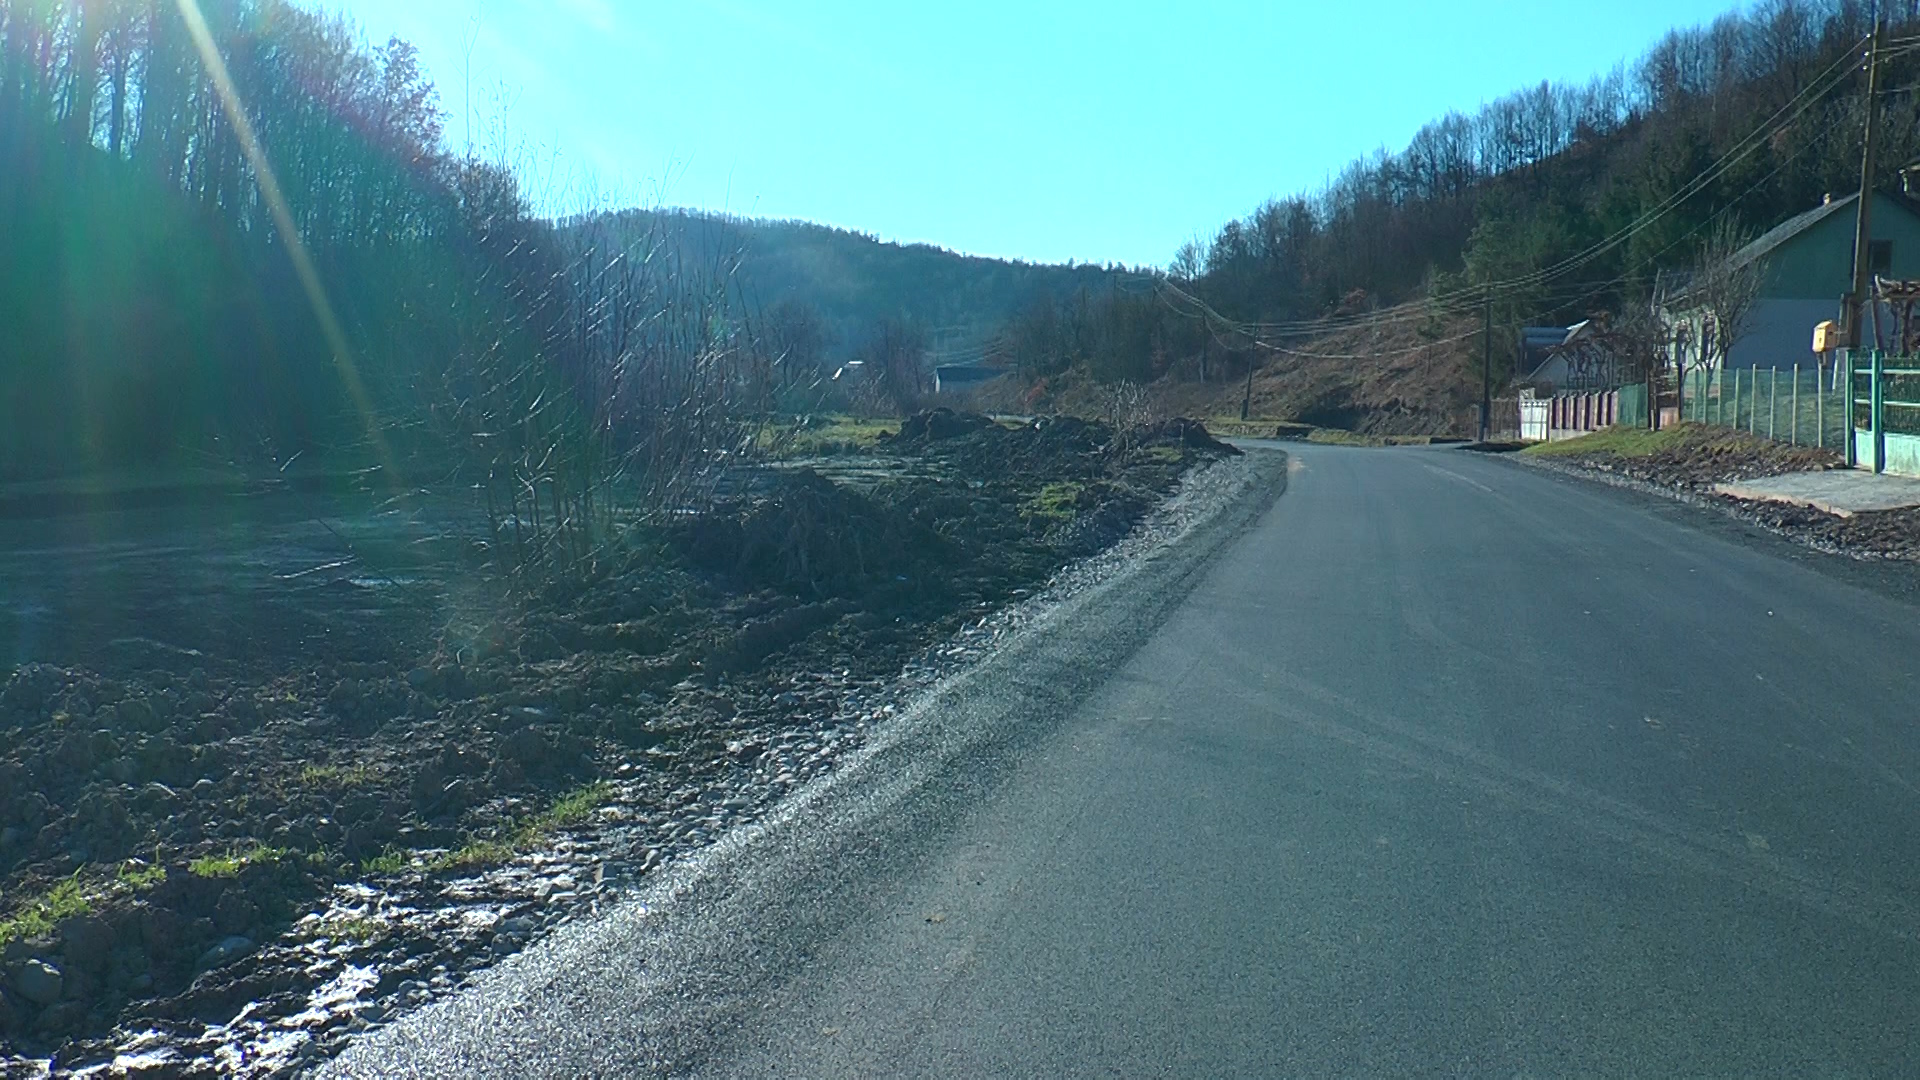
1788 229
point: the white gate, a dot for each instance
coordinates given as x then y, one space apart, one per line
1534 417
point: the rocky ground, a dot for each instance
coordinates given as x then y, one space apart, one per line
1691 459
220 858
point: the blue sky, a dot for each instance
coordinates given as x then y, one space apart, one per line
1094 131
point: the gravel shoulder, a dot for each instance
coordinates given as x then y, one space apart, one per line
656 981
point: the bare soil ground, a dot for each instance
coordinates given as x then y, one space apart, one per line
1401 376
221 716
1690 459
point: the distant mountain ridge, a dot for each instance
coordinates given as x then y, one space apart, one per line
854 280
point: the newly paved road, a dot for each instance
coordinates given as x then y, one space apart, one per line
1441 766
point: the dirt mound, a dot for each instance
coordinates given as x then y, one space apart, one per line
1191 434
809 537
934 425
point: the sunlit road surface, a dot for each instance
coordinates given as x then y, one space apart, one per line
1441 766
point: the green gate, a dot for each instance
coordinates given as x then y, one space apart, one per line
1886 413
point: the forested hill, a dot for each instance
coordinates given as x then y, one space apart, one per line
1565 199
157 230
851 280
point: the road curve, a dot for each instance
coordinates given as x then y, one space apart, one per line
1439 765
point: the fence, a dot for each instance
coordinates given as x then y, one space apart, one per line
1885 413
1804 406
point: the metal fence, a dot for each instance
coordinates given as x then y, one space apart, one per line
1804 406
1885 413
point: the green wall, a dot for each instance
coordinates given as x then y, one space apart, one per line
1818 263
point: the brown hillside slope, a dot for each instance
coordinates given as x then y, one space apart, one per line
1384 378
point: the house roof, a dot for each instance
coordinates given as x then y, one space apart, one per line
1771 240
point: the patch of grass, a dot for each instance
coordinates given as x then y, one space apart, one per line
1618 441
826 435
569 810
575 807
1337 437
389 862
356 930
38 917
335 776
1232 427
79 895
140 877
1054 502
230 864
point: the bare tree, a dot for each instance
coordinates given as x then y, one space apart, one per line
896 361
1720 294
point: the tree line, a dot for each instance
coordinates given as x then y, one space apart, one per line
160 313
1517 188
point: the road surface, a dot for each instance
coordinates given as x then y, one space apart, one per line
1440 765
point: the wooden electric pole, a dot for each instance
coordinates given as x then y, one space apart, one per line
1246 402
1861 296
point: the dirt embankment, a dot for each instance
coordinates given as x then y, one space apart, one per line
1690 459
1403 374
166 811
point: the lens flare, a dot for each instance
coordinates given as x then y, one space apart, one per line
303 266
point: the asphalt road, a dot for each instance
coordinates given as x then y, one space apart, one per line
1437 766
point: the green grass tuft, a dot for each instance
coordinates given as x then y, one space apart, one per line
569 810
1054 502
1618 441
140 876
336 776
356 930
38 917
389 862
827 435
230 864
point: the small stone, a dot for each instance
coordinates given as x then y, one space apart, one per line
39 982
229 950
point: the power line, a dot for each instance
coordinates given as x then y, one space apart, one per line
1469 296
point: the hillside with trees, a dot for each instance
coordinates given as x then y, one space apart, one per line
242 240
1557 201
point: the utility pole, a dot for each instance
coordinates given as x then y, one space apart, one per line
1863 219
1486 372
1246 402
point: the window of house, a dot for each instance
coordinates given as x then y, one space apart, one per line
1880 257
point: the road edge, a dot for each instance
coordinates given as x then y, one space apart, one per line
669 973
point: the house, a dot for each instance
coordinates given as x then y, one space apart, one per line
1806 267
959 378
1580 357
